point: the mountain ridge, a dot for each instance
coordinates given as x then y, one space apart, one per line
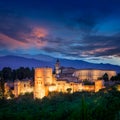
19 61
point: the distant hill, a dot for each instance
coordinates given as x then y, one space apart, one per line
86 65
16 62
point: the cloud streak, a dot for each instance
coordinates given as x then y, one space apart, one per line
34 39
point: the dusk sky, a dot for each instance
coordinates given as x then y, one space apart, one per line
74 29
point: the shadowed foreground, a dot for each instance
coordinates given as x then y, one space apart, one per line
59 106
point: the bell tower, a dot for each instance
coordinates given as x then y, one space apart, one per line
57 67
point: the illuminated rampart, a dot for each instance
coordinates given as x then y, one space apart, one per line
92 74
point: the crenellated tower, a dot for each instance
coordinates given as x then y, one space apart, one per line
43 78
39 86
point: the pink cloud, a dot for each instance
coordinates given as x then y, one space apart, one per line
99 50
39 32
30 41
35 37
11 43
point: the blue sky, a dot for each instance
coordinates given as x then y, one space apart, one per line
74 29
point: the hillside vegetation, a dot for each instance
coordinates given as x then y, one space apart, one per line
104 105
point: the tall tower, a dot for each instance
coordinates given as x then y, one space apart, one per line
39 86
57 67
43 78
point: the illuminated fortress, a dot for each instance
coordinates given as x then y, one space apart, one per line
67 80
64 79
45 82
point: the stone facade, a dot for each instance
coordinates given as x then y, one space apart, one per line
92 74
45 82
22 87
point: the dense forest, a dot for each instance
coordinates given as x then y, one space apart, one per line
12 74
58 106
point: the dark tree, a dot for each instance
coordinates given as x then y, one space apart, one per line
27 72
105 77
118 76
2 82
23 73
14 75
7 73
32 73
20 73
115 78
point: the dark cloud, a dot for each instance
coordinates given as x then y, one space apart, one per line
100 45
66 27
12 23
90 46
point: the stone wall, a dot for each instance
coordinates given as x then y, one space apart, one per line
22 87
92 74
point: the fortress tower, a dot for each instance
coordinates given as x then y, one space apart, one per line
43 78
39 89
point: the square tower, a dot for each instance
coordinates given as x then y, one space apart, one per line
43 78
